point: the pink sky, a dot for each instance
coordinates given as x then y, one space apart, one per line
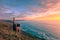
51 8
28 9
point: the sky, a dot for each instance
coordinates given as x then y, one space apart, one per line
29 9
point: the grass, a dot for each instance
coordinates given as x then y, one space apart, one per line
6 33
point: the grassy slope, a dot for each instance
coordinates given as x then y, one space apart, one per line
6 33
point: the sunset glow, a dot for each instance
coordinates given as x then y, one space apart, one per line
30 10
34 16
49 17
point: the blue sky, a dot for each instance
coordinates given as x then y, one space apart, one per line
14 6
19 5
24 8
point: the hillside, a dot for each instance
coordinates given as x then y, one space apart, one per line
6 33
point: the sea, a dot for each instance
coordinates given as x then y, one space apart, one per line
48 29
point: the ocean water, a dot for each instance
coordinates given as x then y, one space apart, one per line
50 30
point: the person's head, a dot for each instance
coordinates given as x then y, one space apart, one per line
18 25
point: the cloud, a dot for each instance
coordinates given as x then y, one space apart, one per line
54 9
19 14
5 13
41 8
50 7
45 8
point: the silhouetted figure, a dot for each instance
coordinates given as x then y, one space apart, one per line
14 25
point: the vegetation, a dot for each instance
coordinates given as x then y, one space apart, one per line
6 33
